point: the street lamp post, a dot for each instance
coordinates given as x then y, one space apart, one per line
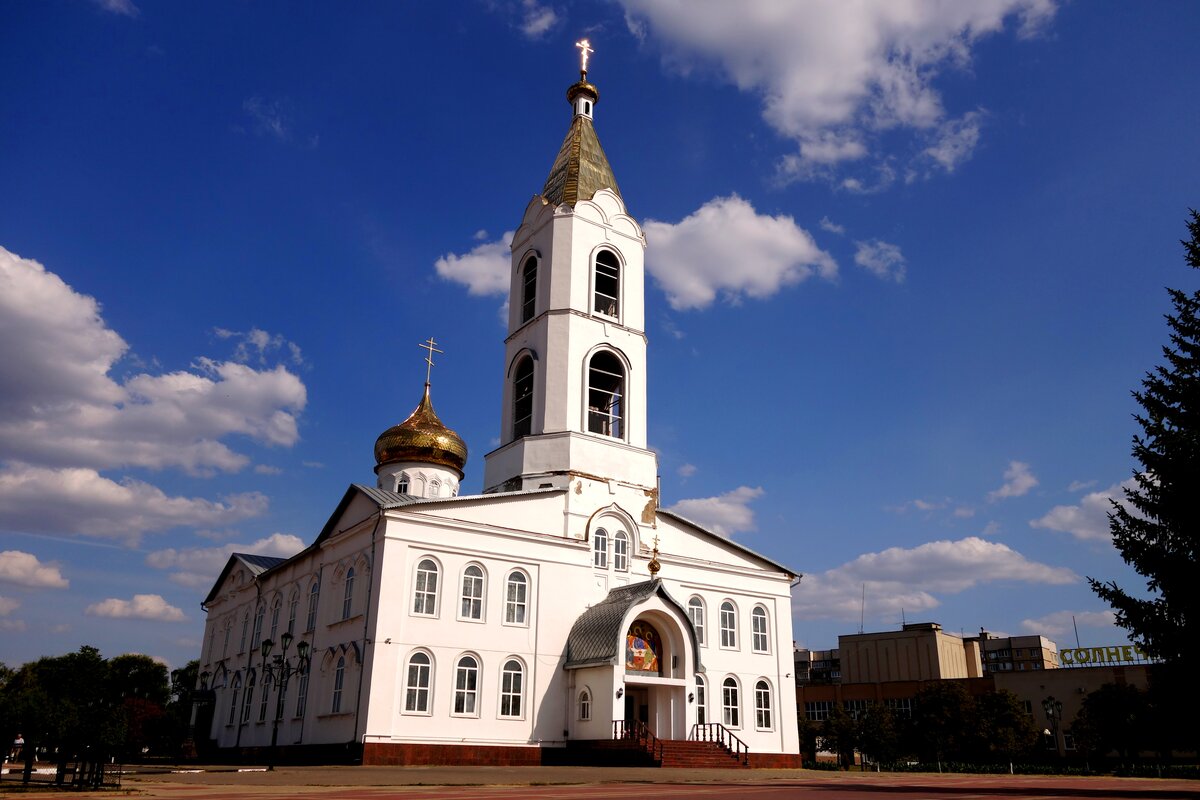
1054 710
278 670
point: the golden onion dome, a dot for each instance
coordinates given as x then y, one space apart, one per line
582 87
422 438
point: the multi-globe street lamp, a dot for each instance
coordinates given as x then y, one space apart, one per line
278 670
1054 713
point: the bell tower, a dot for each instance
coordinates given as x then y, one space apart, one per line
575 354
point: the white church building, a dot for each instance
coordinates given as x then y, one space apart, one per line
561 607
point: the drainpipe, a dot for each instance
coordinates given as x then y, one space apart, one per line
362 668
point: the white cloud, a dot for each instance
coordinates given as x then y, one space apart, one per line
833 76
1018 480
832 227
727 247
24 569
1062 623
142 606
964 512
909 579
484 271
686 470
1078 486
256 344
198 567
536 19
61 407
125 8
8 605
267 469
80 500
13 625
881 259
268 117
725 514
1089 519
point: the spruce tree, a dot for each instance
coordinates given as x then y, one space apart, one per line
1157 530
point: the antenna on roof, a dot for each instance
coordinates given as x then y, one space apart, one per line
862 609
1076 627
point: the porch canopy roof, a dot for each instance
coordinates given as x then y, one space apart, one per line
597 639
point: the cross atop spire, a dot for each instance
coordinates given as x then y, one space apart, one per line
585 47
430 345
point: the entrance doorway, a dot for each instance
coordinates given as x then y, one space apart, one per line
637 705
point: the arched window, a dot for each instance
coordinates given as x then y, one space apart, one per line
225 642
516 591
466 686
585 705
528 289
621 551
266 695
233 699
302 694
314 594
759 641
701 701
245 630
339 678
435 488
416 690
275 607
293 608
523 398
248 700
608 284
512 689
696 615
472 593
729 703
600 549
402 485
425 592
728 625
762 706
256 638
348 594
606 394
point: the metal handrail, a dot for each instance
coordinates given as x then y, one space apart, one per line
638 732
716 732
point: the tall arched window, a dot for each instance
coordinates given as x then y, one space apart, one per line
621 551
759 640
696 615
516 592
302 694
426 588
728 625
275 607
585 705
472 593
606 395
528 289
225 642
608 284
233 699
348 594
339 679
762 706
435 488
256 638
293 608
523 398
600 549
730 703
314 594
416 690
245 631
512 689
266 695
466 686
248 700
701 701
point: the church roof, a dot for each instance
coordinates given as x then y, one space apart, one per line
580 169
254 564
596 637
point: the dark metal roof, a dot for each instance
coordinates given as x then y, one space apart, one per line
580 169
256 565
596 637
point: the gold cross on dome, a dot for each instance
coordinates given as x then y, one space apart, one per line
585 47
430 345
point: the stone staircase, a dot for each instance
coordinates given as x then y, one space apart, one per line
698 755
662 753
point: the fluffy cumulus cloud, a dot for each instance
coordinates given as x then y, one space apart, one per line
484 270
1088 519
80 500
881 259
911 578
1018 480
834 76
198 567
725 514
259 346
62 407
24 569
1062 623
536 19
727 248
142 606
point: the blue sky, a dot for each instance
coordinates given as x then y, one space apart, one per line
906 262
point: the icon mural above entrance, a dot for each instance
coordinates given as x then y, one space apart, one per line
643 647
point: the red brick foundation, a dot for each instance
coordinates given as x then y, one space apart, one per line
451 755
775 761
